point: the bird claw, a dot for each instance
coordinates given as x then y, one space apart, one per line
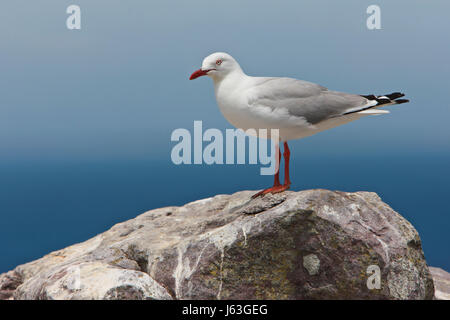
272 190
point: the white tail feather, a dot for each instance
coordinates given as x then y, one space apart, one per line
373 111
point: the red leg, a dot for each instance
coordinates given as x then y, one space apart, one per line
286 154
277 187
276 180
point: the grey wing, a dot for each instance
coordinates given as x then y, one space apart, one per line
304 99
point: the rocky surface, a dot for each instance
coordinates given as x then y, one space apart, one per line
313 244
441 280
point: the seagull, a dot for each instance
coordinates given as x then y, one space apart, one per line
297 108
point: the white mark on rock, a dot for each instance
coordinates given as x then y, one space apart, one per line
73 281
377 236
311 263
178 273
245 236
385 249
183 271
201 201
221 275
222 237
441 295
328 210
245 230
354 208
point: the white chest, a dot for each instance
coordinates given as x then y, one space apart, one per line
233 105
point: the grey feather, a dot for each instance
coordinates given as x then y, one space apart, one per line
304 99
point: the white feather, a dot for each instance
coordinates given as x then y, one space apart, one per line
373 111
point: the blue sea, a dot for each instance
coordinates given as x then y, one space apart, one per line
48 206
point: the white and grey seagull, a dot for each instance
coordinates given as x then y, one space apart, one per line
296 108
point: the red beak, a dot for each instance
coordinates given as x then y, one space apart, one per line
198 73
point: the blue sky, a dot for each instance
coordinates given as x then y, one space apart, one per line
112 93
119 84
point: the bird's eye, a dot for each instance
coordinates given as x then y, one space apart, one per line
218 62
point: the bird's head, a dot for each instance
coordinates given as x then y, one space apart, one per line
217 66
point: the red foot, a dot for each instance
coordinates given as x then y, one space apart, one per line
274 189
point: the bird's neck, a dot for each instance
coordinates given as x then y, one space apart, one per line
232 79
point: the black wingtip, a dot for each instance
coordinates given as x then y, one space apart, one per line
381 101
387 98
395 95
369 97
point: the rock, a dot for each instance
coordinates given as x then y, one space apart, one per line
441 280
313 244
91 280
8 283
